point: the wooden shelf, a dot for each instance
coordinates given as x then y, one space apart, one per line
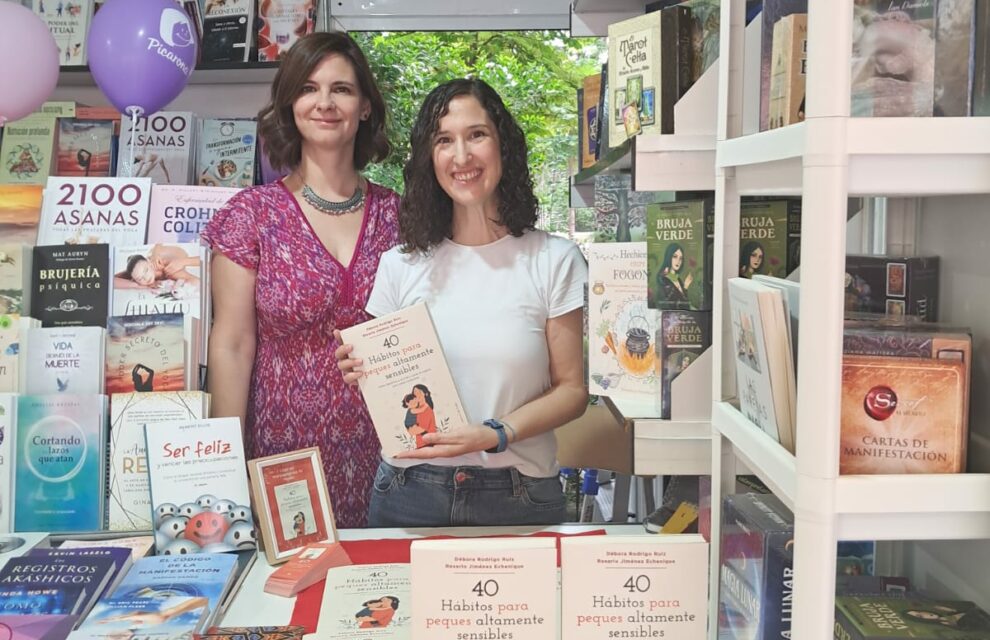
212 73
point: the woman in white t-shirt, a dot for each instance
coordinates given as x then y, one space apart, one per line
506 300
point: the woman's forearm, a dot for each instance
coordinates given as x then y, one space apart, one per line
553 409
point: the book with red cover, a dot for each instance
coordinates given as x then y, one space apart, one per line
307 567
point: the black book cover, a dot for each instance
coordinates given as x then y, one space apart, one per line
225 38
71 285
684 336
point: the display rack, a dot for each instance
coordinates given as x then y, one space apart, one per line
206 74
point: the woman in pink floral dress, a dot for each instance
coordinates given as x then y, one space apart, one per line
296 259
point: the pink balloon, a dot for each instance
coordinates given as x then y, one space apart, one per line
28 61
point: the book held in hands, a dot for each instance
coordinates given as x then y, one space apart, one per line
406 383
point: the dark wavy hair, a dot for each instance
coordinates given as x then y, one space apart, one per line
426 211
277 124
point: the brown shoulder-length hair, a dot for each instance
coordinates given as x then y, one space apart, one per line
426 212
276 123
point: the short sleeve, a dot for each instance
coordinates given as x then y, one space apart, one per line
384 298
568 276
233 231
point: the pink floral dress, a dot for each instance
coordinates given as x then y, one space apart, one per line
298 398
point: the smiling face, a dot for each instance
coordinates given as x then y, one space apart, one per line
330 107
143 273
466 155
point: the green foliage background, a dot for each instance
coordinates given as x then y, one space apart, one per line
537 73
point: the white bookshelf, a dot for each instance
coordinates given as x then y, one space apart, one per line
826 159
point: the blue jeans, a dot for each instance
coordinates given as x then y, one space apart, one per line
427 495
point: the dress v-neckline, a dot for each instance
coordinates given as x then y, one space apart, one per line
368 201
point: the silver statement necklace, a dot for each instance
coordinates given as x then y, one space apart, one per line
330 207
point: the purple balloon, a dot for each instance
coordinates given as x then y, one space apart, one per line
141 53
28 61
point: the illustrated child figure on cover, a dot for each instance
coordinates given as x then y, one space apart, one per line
420 417
506 301
377 613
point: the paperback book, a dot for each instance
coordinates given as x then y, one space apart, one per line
788 70
84 148
64 360
80 580
406 383
591 88
769 236
15 280
622 354
164 144
60 454
679 253
636 76
113 618
145 353
8 418
894 286
20 211
156 279
885 616
228 30
282 23
683 336
647 586
94 211
620 212
129 507
199 487
68 22
37 627
26 150
773 12
71 285
366 601
226 151
16 545
180 212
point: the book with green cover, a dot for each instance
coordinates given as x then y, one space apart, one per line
26 151
872 617
678 254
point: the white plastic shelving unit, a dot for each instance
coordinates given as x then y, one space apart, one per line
826 159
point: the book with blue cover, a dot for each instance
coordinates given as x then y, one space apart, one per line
193 575
27 600
120 556
36 627
167 618
59 450
63 572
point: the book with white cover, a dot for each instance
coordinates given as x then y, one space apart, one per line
157 278
164 145
15 279
68 21
406 383
366 601
644 586
129 495
790 291
485 588
180 212
8 418
199 486
94 211
13 354
226 152
764 371
622 360
65 360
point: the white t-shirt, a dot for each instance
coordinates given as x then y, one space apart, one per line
490 305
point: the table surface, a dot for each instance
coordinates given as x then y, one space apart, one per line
253 607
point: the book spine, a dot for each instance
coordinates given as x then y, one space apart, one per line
669 69
793 233
981 60
604 117
685 50
953 57
582 150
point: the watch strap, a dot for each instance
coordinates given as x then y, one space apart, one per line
503 439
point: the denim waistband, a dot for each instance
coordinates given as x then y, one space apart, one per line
464 477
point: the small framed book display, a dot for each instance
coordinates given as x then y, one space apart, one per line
293 503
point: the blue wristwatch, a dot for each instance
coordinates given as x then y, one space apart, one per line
503 440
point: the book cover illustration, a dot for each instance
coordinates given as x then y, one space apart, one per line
227 30
366 601
163 148
893 58
94 211
677 252
282 23
157 278
79 580
756 575
178 213
227 150
26 150
621 329
10 357
769 236
8 408
70 285
485 587
60 452
903 415
788 70
592 86
773 11
160 618
199 487
68 21
406 383
620 212
641 586
192 575
872 617
64 360
20 211
84 148
634 50
290 632
684 336
705 20
893 286
129 507
36 627
145 353
955 40
15 281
